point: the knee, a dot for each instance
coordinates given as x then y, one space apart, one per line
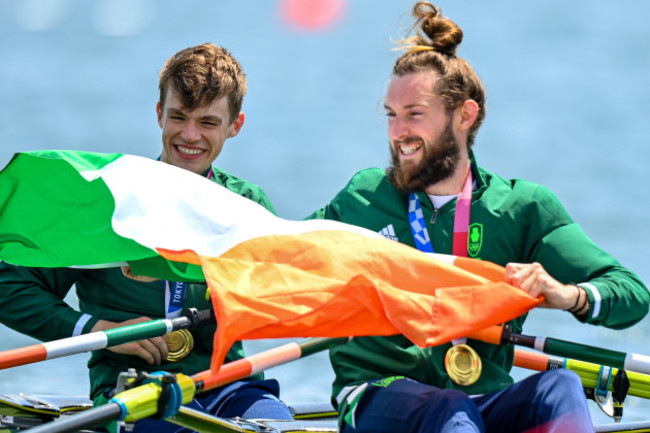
562 388
563 402
452 401
268 406
453 410
562 380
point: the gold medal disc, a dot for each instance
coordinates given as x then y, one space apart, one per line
180 344
463 364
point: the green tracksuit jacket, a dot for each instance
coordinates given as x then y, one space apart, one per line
32 303
511 221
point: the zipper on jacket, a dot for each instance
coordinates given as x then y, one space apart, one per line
434 216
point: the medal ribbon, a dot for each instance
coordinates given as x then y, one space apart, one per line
461 218
174 298
461 225
418 226
461 221
179 342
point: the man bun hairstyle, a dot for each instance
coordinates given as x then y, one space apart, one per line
433 46
203 74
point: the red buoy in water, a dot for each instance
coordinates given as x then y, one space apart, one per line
312 15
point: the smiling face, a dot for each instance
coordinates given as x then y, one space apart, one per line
192 139
423 144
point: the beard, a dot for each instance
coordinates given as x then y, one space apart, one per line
438 163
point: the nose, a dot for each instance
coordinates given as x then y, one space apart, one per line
190 132
397 129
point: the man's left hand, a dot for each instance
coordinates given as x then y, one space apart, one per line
126 270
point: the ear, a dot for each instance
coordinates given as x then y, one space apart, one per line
237 124
160 114
468 112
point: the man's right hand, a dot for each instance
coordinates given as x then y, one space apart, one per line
153 350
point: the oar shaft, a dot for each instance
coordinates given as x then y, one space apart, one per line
252 364
584 352
22 356
142 331
84 343
628 361
101 340
82 420
537 361
589 373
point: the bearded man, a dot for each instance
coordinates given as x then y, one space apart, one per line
435 195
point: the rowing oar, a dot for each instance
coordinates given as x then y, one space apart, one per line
143 401
606 385
590 374
628 361
103 339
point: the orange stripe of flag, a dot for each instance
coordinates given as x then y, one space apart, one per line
339 284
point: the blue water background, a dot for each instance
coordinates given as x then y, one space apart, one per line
569 107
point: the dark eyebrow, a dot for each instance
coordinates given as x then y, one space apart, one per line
171 110
409 106
177 111
214 119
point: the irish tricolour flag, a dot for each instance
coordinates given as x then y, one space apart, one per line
268 277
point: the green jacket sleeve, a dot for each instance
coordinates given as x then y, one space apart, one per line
32 302
617 296
326 212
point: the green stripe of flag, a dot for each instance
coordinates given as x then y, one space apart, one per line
45 201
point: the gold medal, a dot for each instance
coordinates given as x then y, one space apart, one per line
463 364
180 344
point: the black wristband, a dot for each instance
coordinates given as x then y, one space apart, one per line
577 311
573 309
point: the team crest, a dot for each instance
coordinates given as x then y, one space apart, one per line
474 239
